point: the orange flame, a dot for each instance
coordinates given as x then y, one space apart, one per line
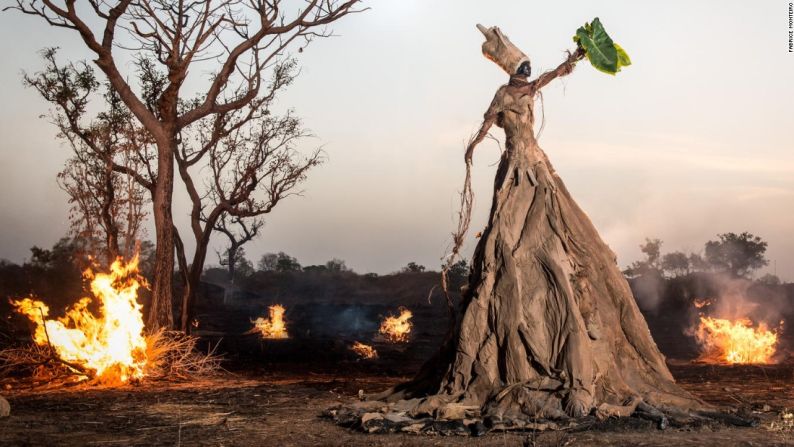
702 302
364 351
274 326
735 342
110 345
397 329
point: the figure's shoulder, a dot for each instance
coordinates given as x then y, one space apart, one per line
502 93
510 95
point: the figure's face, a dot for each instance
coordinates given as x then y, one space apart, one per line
525 70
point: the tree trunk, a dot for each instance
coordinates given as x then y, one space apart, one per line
193 281
161 314
112 230
232 260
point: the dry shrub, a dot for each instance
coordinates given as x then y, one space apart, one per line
171 355
32 360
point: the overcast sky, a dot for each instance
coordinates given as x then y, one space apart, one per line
692 140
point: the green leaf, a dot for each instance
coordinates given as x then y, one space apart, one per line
599 47
604 54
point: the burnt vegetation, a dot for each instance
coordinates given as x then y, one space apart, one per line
333 305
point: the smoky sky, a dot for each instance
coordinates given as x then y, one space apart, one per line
690 141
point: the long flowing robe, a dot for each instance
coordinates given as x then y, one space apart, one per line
549 324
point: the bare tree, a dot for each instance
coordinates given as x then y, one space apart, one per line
107 206
241 39
239 232
252 164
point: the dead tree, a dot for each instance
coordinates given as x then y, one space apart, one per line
549 327
252 166
239 232
108 176
242 39
106 206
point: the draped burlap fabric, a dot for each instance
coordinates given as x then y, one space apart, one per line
548 328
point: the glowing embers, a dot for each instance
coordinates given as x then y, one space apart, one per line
735 342
397 329
364 351
108 344
274 326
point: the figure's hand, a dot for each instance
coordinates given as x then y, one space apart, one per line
567 67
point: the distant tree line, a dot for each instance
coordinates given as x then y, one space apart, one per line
283 263
738 255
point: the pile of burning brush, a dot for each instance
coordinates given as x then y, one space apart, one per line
732 337
109 347
169 355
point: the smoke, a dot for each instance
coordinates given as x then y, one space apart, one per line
340 320
734 298
648 291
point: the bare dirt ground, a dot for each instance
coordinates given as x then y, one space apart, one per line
283 409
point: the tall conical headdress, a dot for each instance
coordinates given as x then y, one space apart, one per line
498 48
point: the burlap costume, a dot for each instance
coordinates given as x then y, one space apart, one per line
498 48
549 330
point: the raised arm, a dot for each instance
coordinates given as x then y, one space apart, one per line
564 69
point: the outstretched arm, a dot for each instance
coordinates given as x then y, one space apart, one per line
564 69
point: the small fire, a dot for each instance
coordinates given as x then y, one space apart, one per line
364 351
274 326
108 345
397 329
735 342
702 302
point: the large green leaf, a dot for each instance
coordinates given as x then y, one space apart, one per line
599 47
604 54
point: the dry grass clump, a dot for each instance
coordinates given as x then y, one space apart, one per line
784 421
34 361
171 355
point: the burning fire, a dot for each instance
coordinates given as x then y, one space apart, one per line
364 351
735 342
108 345
274 326
702 302
397 329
